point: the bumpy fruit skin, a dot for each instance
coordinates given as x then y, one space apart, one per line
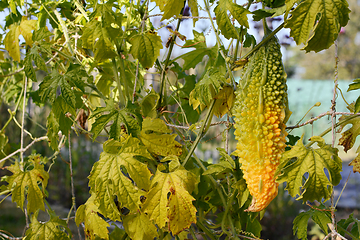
260 115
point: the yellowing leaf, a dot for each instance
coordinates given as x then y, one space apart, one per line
26 26
25 183
356 164
108 181
146 47
222 19
52 229
155 136
139 227
94 224
321 20
309 165
224 101
177 210
169 7
11 42
348 137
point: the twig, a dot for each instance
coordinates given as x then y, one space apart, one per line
342 190
22 123
184 127
24 149
320 116
8 237
72 186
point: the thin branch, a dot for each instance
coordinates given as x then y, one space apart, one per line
184 127
73 207
9 237
22 123
24 149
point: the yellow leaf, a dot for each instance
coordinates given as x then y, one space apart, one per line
139 227
26 26
12 42
224 101
154 135
356 162
177 210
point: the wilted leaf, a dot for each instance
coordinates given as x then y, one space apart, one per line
309 165
155 136
206 89
25 184
119 176
224 101
146 47
317 23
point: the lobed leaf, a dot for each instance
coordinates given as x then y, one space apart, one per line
24 185
146 47
317 23
119 176
155 136
177 210
139 226
169 7
305 162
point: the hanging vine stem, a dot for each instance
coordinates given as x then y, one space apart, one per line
333 132
73 206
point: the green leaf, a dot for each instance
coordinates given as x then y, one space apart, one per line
11 42
355 85
300 224
53 129
272 12
192 58
99 34
95 225
206 89
118 175
317 23
305 176
52 229
146 47
223 21
127 117
155 136
169 7
344 224
24 184
148 105
138 226
194 10
169 200
226 164
33 55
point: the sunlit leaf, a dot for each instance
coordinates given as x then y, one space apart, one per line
222 19
194 9
317 23
310 164
119 176
148 105
177 210
169 7
26 26
55 228
11 42
95 225
146 47
139 226
224 101
24 184
155 135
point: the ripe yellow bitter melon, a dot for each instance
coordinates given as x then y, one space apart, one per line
261 111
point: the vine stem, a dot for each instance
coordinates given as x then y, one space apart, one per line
208 118
73 207
22 124
333 131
